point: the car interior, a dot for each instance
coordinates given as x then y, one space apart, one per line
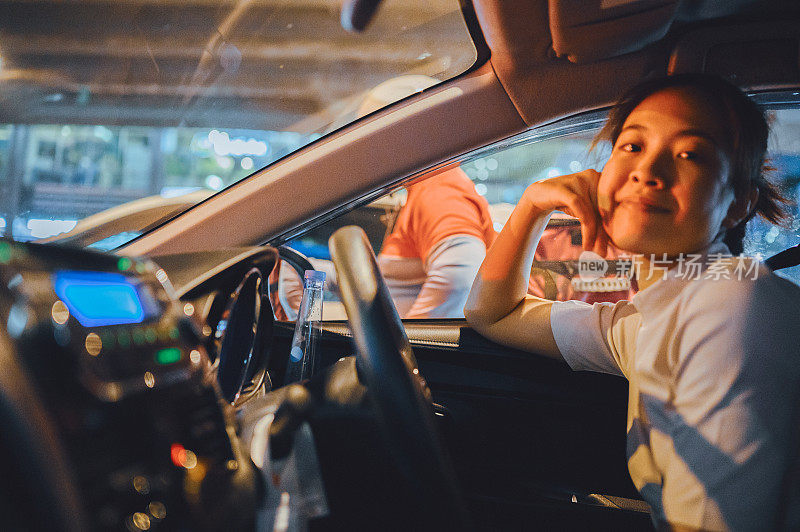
136 381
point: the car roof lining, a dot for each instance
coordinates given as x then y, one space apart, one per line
559 57
590 31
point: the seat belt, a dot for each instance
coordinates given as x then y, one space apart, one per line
785 259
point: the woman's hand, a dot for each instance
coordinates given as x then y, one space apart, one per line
511 256
575 195
498 305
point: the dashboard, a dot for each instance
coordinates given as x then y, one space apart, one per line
134 396
118 387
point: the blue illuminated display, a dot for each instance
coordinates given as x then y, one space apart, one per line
97 298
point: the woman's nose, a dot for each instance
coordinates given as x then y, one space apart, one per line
651 172
647 180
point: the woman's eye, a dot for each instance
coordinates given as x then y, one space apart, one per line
689 155
631 147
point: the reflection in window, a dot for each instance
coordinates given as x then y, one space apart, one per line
91 156
502 176
114 241
215 158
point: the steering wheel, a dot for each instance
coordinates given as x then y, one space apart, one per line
41 491
391 376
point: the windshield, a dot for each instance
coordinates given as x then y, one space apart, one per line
115 116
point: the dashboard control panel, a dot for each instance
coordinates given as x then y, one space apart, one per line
116 364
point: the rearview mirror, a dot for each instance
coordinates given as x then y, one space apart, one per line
357 14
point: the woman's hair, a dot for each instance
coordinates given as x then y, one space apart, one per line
749 132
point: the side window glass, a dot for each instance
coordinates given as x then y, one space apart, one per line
762 237
431 236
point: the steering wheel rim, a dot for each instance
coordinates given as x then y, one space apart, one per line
392 378
45 486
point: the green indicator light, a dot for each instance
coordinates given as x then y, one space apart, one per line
168 356
138 337
150 336
140 267
124 264
107 338
5 252
173 333
123 339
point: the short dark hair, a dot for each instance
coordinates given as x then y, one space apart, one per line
749 130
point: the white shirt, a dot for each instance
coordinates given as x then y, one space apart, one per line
714 371
438 286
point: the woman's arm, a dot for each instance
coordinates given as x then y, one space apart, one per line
498 306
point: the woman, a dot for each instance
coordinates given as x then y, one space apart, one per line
712 358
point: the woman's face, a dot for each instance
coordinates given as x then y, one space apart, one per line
666 187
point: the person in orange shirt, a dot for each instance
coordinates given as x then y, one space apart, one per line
429 259
431 256
437 245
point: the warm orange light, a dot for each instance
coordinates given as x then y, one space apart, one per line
59 312
93 344
182 457
177 453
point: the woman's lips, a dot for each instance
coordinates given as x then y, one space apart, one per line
646 205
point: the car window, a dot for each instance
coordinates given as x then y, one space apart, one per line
175 98
499 175
764 239
462 209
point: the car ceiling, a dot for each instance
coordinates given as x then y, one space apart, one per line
548 60
558 57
